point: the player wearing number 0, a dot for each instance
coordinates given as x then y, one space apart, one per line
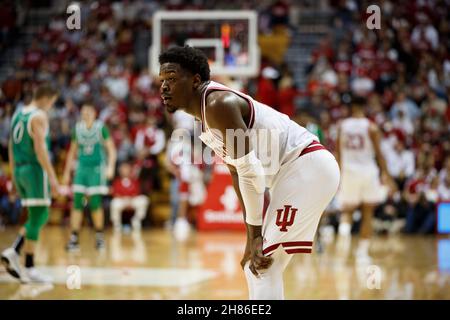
34 179
360 159
300 174
89 139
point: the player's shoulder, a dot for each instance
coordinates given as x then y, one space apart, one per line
217 99
221 103
38 115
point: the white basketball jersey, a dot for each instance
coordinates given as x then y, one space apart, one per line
277 139
357 151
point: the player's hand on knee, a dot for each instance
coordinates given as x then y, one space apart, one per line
258 260
245 258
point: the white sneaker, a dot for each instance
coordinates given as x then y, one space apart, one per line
10 260
181 229
345 229
34 275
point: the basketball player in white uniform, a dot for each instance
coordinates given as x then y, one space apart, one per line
263 149
360 160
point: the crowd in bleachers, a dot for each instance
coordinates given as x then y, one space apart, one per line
403 69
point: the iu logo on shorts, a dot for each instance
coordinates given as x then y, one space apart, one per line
286 218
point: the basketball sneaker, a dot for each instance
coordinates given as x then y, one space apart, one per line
73 244
181 229
10 259
33 275
99 241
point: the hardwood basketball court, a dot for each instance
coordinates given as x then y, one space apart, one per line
153 265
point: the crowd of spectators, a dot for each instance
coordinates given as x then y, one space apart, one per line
107 61
403 69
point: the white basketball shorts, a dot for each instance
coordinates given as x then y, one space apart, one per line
300 193
360 186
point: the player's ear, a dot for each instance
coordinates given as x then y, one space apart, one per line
196 81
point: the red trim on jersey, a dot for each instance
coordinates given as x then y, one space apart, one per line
202 112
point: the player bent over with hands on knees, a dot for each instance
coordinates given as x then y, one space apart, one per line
301 175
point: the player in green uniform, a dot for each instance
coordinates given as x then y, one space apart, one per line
90 139
34 179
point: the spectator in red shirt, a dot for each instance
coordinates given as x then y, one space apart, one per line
267 92
287 95
149 143
33 57
127 195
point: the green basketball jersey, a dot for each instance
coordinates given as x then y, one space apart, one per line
22 142
90 142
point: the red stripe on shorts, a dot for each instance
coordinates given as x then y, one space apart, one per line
313 146
297 244
291 251
273 247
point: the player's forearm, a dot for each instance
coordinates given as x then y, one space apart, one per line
253 201
69 161
251 182
235 180
44 159
380 160
112 156
376 141
382 163
253 231
11 160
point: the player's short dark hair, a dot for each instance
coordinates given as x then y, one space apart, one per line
44 90
189 58
88 103
358 101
